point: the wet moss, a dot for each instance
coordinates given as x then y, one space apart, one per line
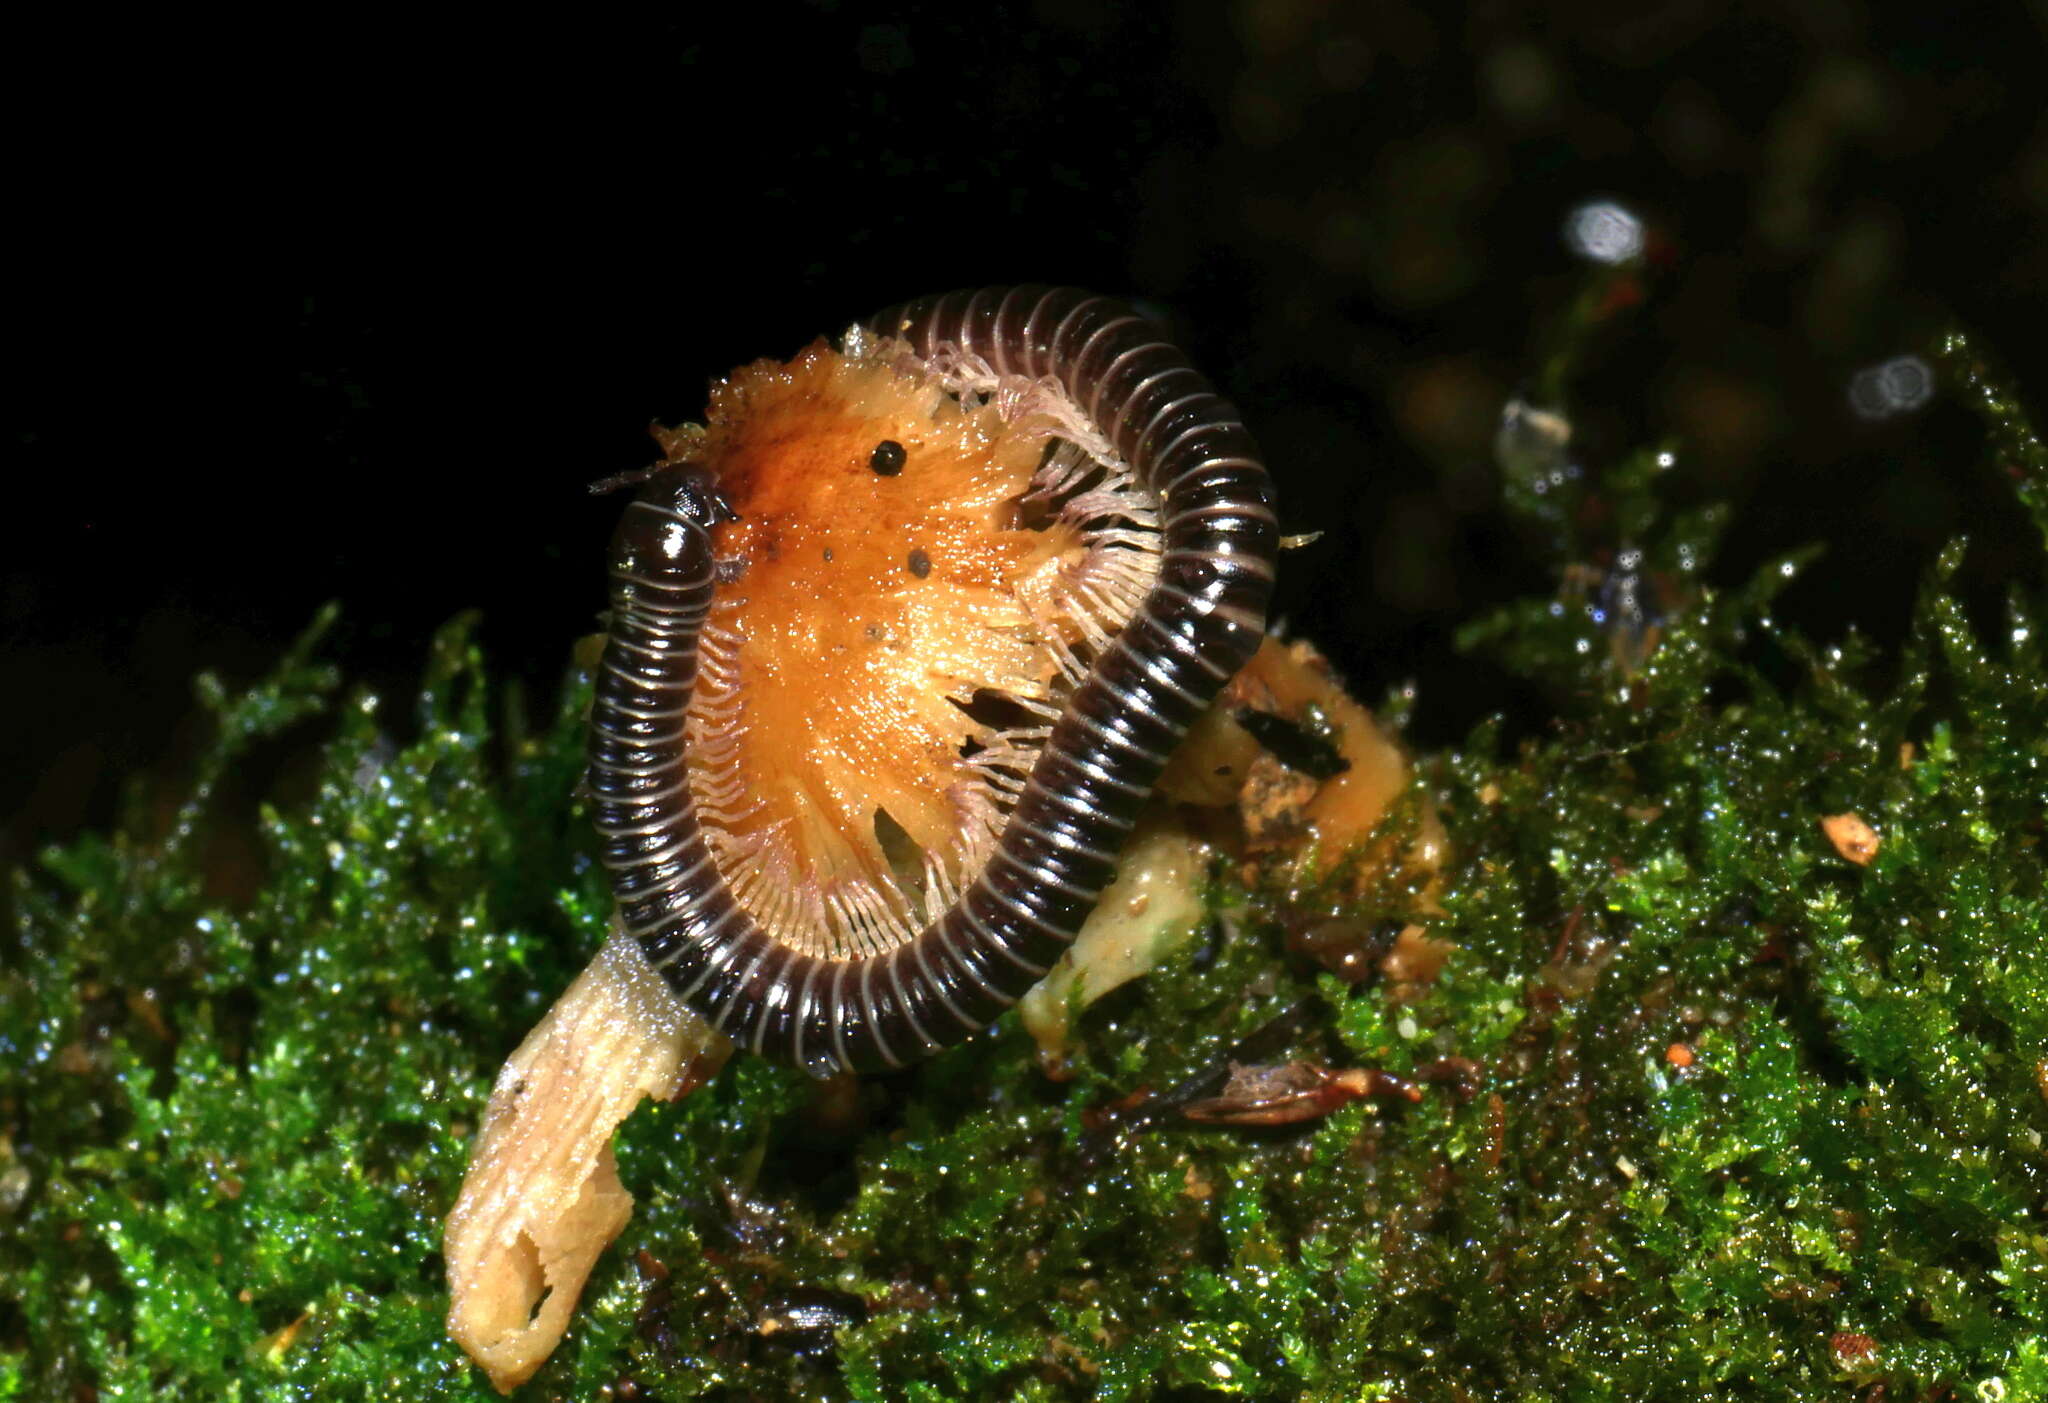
1731 1113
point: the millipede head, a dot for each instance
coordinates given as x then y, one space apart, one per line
665 531
690 491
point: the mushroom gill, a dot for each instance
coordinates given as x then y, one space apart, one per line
926 557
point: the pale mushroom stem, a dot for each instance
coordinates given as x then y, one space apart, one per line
542 1197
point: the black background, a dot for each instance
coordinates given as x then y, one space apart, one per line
343 308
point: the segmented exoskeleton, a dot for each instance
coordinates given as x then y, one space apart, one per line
1202 619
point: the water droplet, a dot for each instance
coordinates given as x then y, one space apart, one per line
1604 232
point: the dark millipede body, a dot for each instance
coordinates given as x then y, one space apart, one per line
1202 619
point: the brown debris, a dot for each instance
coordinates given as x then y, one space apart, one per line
1274 803
1416 959
1854 839
1293 1091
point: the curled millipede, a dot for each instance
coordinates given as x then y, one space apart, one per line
1201 619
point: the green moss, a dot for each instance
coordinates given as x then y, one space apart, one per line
232 1128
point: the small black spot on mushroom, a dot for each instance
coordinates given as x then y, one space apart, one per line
887 459
828 555
920 564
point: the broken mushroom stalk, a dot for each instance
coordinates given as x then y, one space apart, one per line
902 642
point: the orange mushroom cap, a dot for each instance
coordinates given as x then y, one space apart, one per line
920 551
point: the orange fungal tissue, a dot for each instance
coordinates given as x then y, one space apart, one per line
915 566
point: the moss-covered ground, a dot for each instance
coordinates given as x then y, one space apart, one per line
1738 1117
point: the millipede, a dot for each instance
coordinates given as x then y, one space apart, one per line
1170 537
